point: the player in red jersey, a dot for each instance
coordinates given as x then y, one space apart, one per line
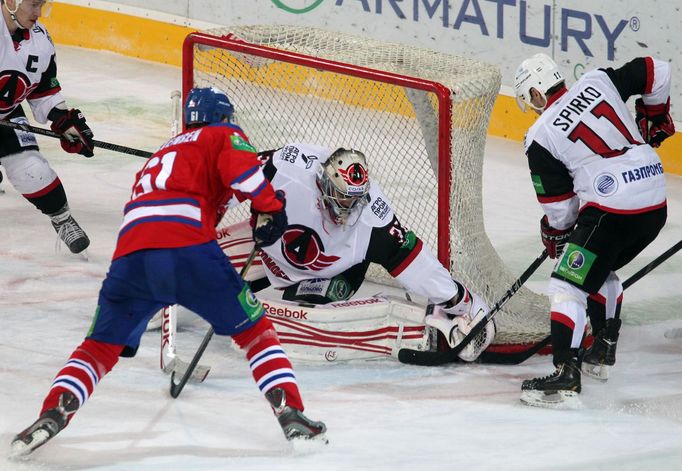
167 254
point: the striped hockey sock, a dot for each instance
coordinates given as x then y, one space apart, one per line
269 363
81 373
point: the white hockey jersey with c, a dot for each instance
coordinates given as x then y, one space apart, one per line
28 72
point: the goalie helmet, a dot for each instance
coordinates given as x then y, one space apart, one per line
207 106
539 72
343 181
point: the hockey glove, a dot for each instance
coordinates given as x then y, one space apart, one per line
76 136
654 122
553 239
269 227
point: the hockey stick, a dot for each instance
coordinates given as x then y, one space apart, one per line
426 358
176 388
520 357
169 360
96 143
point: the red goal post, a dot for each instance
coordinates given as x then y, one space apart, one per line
419 116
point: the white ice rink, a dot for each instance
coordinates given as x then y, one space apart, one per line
381 415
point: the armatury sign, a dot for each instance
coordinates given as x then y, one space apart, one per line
579 34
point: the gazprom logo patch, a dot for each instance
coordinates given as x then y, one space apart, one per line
605 184
576 260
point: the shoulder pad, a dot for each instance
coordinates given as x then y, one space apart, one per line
296 156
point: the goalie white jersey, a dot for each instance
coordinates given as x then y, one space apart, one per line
314 247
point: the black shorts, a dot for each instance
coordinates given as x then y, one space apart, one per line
13 142
604 242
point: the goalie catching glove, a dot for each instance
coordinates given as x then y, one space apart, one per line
76 136
269 227
554 239
456 321
654 122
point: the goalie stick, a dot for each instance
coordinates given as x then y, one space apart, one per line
96 143
416 357
176 388
519 357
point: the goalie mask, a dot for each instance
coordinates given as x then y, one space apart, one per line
539 72
344 183
207 106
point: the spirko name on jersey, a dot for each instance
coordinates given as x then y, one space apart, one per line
642 172
284 312
576 106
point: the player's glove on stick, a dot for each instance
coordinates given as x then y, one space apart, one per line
553 239
76 134
654 122
269 227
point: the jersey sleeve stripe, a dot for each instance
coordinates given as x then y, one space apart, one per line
252 186
554 199
405 263
245 176
44 93
649 75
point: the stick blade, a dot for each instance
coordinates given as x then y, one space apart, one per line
422 358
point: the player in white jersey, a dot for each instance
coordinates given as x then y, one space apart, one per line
602 189
340 221
28 71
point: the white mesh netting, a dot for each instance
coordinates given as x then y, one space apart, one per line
282 100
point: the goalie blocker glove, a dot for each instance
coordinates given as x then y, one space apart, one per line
269 227
654 122
553 239
76 135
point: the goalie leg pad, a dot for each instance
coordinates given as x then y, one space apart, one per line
359 329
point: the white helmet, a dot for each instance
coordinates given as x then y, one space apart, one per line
344 182
539 72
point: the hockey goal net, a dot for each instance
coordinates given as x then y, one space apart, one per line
419 116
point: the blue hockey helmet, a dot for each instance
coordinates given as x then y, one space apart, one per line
207 106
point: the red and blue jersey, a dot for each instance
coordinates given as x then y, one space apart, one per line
178 194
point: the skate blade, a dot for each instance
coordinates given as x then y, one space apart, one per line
62 250
560 400
20 449
598 372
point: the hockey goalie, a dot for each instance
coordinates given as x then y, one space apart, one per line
340 221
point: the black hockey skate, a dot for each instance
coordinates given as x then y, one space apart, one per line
69 231
557 391
294 424
602 353
49 424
